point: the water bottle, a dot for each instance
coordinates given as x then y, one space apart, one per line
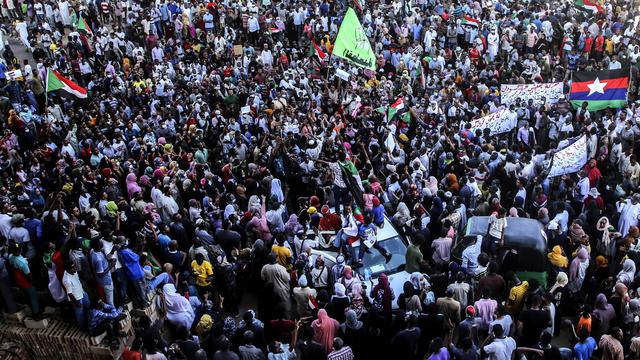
367 274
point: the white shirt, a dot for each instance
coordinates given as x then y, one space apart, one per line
583 187
563 220
5 225
615 65
501 349
73 285
253 24
157 54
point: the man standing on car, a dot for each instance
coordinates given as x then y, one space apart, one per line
367 232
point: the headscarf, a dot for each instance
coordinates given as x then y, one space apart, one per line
292 225
556 258
357 302
325 329
436 206
150 209
402 214
452 183
418 281
633 310
339 290
132 185
347 273
229 210
112 208
561 281
254 204
581 257
628 272
383 285
576 232
179 310
351 321
621 291
604 312
204 325
601 261
302 281
432 185
276 190
413 304
603 225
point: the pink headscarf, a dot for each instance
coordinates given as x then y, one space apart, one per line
325 329
581 256
151 209
132 185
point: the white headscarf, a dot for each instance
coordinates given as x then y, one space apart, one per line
276 190
179 310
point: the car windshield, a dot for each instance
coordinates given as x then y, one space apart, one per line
375 263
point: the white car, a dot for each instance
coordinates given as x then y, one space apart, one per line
374 263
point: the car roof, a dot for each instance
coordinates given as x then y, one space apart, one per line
520 231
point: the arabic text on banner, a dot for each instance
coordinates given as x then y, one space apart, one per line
550 91
498 122
570 159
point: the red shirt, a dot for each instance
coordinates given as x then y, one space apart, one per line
588 44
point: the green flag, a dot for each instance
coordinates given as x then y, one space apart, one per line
352 43
83 26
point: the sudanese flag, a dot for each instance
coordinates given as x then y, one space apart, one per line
600 89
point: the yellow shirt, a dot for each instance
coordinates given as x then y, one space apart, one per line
282 255
202 272
516 297
608 45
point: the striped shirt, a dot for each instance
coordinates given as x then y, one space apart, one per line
343 354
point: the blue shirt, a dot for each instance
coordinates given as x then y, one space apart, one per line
100 266
364 231
583 351
98 316
378 214
34 227
131 263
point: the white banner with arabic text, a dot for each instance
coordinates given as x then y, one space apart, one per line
551 92
570 159
498 122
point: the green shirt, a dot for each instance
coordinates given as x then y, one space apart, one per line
414 258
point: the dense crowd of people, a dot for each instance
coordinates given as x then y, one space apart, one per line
221 151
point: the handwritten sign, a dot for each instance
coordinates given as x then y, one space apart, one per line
14 75
551 92
498 122
570 159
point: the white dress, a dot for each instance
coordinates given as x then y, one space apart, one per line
23 32
64 13
628 216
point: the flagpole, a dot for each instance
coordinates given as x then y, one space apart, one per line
626 98
46 86
328 67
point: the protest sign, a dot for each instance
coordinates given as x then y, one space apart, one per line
570 159
498 122
551 92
